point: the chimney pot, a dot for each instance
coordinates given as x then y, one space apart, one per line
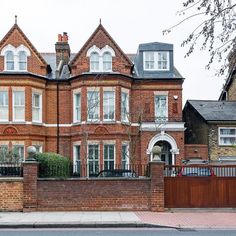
59 38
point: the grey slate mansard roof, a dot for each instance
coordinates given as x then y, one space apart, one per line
215 110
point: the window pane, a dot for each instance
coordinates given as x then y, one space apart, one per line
22 60
161 107
93 105
107 62
124 106
93 160
125 156
19 105
18 150
77 111
36 107
109 105
228 131
94 61
10 60
109 156
3 105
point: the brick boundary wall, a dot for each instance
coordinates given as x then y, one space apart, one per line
11 194
88 194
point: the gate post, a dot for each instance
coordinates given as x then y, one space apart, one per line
30 177
157 186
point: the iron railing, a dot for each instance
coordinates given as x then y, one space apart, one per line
200 170
93 170
11 170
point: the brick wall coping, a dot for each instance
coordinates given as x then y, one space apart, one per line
11 179
95 179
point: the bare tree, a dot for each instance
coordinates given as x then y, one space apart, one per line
215 32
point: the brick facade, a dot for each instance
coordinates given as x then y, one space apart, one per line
57 132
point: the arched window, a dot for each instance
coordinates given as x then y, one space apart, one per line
22 60
94 61
107 61
10 60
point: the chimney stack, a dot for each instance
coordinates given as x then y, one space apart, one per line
62 49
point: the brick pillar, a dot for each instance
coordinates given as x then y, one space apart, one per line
30 176
157 185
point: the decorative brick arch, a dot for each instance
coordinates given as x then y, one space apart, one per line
10 130
101 130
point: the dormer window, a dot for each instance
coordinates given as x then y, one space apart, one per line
22 60
156 60
100 59
9 60
15 58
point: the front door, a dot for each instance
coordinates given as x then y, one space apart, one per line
165 152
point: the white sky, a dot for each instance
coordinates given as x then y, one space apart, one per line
129 22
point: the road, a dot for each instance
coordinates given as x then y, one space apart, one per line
114 232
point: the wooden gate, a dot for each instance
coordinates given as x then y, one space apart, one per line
188 192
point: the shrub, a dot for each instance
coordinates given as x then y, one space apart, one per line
53 165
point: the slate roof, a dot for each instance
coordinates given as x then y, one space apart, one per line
215 110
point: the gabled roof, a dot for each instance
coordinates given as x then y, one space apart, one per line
15 27
211 110
100 28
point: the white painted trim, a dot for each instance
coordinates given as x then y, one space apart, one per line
163 137
15 52
165 126
5 90
156 61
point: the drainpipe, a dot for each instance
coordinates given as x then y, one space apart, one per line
58 138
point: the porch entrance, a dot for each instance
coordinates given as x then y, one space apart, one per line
166 155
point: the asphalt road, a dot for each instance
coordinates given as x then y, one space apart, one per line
114 232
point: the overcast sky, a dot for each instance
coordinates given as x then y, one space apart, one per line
129 22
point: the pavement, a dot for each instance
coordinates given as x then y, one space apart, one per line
183 218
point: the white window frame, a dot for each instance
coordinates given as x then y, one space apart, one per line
76 118
109 105
156 60
107 158
5 104
22 106
125 113
157 117
226 136
39 147
94 110
16 58
38 108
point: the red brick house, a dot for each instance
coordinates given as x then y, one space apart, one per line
99 107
